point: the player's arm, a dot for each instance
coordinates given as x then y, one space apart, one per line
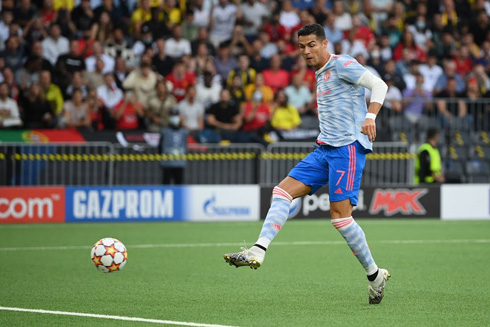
378 93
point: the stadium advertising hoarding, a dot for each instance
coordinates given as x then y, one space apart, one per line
124 203
466 201
223 202
32 204
373 202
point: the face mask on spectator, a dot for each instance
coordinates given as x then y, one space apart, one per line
174 121
420 25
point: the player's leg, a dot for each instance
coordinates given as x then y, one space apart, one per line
308 175
346 165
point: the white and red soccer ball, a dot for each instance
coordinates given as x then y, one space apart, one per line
109 255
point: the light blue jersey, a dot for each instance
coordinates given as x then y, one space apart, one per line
341 103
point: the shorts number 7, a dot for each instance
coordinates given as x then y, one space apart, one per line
342 172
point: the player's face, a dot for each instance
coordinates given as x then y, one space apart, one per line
313 50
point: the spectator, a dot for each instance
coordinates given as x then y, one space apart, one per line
189 30
449 72
9 111
428 166
173 141
320 11
143 82
93 109
32 67
112 9
410 77
24 12
222 22
119 47
390 68
259 85
83 17
105 28
275 77
98 53
223 120
479 28
108 94
176 46
51 92
120 72
200 59
75 112
431 71
5 23
450 105
385 49
128 113
393 99
482 79
37 113
300 96
96 78
464 64
162 63
140 16
416 101
236 91
256 117
159 107
144 42
257 62
362 33
306 73
208 91
333 34
408 44
13 53
225 62
181 80
55 44
243 70
274 29
343 20
201 14
288 16
285 117
268 48
173 11
192 113
254 15
9 78
421 32
71 62
475 104
77 83
202 37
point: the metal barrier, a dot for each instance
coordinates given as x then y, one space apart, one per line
56 164
206 164
108 164
391 163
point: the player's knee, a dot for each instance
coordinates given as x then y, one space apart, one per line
341 209
278 192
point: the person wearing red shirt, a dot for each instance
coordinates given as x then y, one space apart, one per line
275 30
275 77
307 74
464 64
128 112
181 80
407 42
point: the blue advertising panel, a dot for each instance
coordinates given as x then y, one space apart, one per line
124 203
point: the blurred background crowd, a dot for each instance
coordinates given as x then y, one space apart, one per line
232 69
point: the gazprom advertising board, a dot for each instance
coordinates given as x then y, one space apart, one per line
125 203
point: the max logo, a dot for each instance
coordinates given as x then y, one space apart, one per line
393 201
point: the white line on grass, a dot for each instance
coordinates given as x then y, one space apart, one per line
92 315
197 245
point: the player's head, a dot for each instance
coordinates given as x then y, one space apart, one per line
313 45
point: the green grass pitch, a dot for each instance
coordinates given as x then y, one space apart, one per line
440 275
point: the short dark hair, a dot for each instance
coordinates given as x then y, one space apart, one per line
315 29
431 133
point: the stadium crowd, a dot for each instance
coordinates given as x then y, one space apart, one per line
231 68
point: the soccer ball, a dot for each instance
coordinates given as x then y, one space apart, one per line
109 255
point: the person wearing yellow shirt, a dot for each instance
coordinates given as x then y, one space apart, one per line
285 116
140 16
52 92
259 85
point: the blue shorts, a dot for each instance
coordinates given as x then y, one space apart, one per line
341 168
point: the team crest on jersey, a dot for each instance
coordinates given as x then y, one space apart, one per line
326 76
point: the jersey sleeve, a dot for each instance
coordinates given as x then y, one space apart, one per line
348 69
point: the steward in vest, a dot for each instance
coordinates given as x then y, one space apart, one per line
428 166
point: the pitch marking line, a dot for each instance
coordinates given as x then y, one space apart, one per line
197 245
92 315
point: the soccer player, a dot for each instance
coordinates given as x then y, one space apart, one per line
347 130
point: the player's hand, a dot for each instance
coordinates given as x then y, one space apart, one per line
369 128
